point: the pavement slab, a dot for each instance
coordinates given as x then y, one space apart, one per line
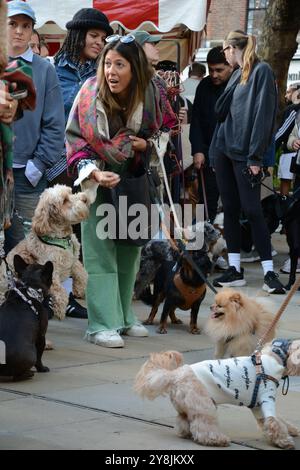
86 401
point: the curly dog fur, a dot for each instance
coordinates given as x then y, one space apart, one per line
236 324
58 209
194 392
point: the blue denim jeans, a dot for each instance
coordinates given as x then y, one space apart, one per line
26 200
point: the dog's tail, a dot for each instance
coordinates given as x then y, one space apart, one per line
156 376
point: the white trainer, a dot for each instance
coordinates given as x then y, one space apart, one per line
136 330
221 263
106 338
286 268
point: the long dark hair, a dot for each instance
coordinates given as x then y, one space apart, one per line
141 76
73 46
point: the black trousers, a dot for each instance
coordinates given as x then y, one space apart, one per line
237 194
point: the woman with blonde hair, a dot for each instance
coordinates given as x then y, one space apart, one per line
246 113
115 120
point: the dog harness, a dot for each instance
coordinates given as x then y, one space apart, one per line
189 293
279 347
65 243
32 294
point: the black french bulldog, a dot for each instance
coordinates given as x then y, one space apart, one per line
181 287
24 319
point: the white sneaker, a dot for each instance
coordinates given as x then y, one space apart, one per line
250 257
221 263
136 330
106 338
286 268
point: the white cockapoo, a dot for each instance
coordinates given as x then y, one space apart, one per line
52 239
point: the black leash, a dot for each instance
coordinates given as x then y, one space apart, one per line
178 245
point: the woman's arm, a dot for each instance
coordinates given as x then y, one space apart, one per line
294 140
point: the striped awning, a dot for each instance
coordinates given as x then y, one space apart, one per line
163 15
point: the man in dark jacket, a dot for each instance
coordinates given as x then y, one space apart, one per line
204 122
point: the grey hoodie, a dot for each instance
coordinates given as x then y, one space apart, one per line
248 128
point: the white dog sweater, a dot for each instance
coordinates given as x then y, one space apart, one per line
232 381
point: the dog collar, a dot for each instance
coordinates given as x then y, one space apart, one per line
65 242
281 348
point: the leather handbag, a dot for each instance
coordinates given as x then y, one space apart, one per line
139 188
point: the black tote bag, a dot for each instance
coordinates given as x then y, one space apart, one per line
139 188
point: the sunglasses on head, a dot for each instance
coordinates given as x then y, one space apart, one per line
124 39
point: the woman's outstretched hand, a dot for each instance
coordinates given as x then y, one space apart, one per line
108 179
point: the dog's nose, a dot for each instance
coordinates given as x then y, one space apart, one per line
213 307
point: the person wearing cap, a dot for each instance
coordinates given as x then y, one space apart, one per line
39 134
76 61
149 44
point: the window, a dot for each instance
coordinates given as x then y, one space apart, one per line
255 17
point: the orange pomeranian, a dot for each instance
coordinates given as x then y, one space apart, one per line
236 324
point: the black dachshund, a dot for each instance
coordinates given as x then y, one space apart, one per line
181 287
24 319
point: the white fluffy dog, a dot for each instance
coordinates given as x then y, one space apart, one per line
196 389
52 239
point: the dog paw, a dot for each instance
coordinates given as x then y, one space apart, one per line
25 376
60 315
147 322
42 369
287 443
195 331
162 330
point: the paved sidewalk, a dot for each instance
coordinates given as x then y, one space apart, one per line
87 402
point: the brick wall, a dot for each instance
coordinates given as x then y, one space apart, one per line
225 16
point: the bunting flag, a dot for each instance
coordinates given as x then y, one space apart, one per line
163 15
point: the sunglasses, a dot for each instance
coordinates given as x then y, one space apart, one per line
124 39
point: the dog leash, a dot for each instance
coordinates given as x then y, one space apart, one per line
204 194
178 246
283 306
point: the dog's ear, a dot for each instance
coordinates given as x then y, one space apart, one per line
19 264
47 273
237 298
40 221
293 361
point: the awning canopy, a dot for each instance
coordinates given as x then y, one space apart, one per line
163 15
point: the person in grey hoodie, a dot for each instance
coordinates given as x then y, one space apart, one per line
246 113
39 135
